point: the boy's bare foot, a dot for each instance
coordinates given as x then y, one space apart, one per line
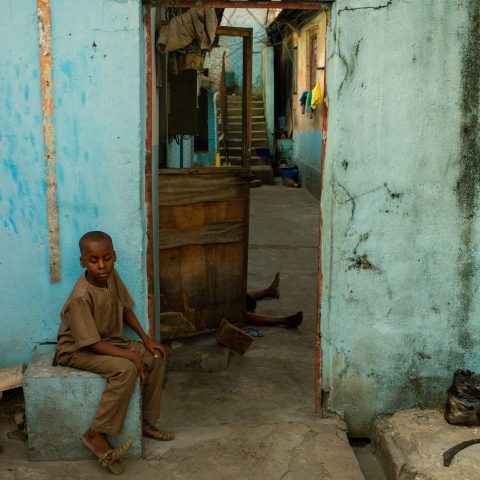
108 457
274 288
295 320
96 442
151 431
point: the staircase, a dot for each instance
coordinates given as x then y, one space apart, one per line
259 131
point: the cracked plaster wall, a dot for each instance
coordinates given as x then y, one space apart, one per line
400 311
99 119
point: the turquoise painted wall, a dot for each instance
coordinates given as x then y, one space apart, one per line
98 75
307 155
400 308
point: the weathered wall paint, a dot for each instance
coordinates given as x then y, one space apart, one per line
400 256
99 121
293 79
307 153
307 128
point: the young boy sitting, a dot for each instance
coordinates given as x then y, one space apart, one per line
90 338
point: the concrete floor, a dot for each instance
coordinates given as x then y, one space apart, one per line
255 418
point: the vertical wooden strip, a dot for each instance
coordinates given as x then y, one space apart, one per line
318 342
247 96
45 48
148 174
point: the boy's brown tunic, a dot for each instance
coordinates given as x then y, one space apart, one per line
92 314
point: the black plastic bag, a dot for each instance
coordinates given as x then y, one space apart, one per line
463 401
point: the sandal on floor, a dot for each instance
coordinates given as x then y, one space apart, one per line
112 459
160 435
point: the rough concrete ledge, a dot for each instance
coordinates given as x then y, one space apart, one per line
410 444
286 450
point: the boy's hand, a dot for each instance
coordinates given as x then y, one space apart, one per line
142 371
155 348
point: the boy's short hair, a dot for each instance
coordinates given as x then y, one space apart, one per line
93 236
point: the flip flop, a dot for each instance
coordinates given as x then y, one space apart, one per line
253 332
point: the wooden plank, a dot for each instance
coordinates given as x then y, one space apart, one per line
171 279
191 215
48 107
147 20
306 5
11 377
187 190
220 232
247 97
231 290
231 171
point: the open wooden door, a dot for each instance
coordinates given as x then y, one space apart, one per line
203 231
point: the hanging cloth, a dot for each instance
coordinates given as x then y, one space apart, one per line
303 100
198 24
316 95
308 104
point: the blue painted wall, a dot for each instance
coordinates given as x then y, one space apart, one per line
307 154
99 93
400 310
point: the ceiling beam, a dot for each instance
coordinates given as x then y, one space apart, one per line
299 5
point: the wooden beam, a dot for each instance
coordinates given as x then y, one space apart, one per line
308 5
45 49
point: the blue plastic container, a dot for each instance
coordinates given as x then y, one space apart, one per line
289 172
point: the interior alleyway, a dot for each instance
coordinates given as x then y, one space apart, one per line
253 419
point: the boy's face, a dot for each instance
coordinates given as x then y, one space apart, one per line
98 258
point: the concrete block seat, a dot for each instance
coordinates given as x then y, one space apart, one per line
60 403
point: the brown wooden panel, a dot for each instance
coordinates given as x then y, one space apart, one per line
183 190
202 213
203 232
227 232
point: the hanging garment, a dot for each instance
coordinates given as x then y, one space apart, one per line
308 103
303 100
316 95
198 24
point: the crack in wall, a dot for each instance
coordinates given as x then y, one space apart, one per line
377 7
468 182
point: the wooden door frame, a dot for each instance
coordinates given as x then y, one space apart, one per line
299 5
247 35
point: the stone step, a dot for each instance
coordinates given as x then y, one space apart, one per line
238 111
257 127
255 143
238 119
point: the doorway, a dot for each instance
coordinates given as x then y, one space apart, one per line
311 72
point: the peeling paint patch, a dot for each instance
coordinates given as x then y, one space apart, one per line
361 262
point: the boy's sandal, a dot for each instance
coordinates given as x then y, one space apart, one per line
116 467
157 434
112 459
